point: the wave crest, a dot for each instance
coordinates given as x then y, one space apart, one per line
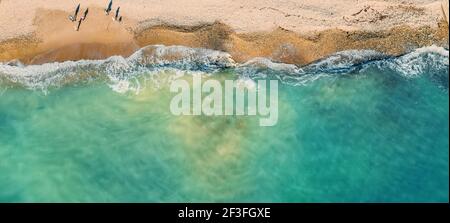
151 59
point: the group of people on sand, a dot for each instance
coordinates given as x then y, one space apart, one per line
107 10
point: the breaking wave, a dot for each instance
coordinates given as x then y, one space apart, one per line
117 71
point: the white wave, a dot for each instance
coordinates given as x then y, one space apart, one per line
42 76
345 59
150 60
413 64
260 63
419 61
184 56
264 68
115 68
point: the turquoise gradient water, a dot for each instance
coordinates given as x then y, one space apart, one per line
359 133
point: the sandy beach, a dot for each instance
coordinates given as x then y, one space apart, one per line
290 31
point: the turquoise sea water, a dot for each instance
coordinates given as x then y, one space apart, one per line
354 127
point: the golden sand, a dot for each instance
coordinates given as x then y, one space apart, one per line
99 37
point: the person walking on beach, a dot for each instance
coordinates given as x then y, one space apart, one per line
73 18
85 14
109 8
116 17
79 24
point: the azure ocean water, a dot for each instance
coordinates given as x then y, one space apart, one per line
357 126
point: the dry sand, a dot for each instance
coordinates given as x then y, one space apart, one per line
292 31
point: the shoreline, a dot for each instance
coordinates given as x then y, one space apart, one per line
279 45
53 38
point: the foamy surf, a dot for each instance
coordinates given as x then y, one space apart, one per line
150 60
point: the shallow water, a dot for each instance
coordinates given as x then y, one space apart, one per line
355 127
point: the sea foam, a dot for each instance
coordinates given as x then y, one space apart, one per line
117 71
